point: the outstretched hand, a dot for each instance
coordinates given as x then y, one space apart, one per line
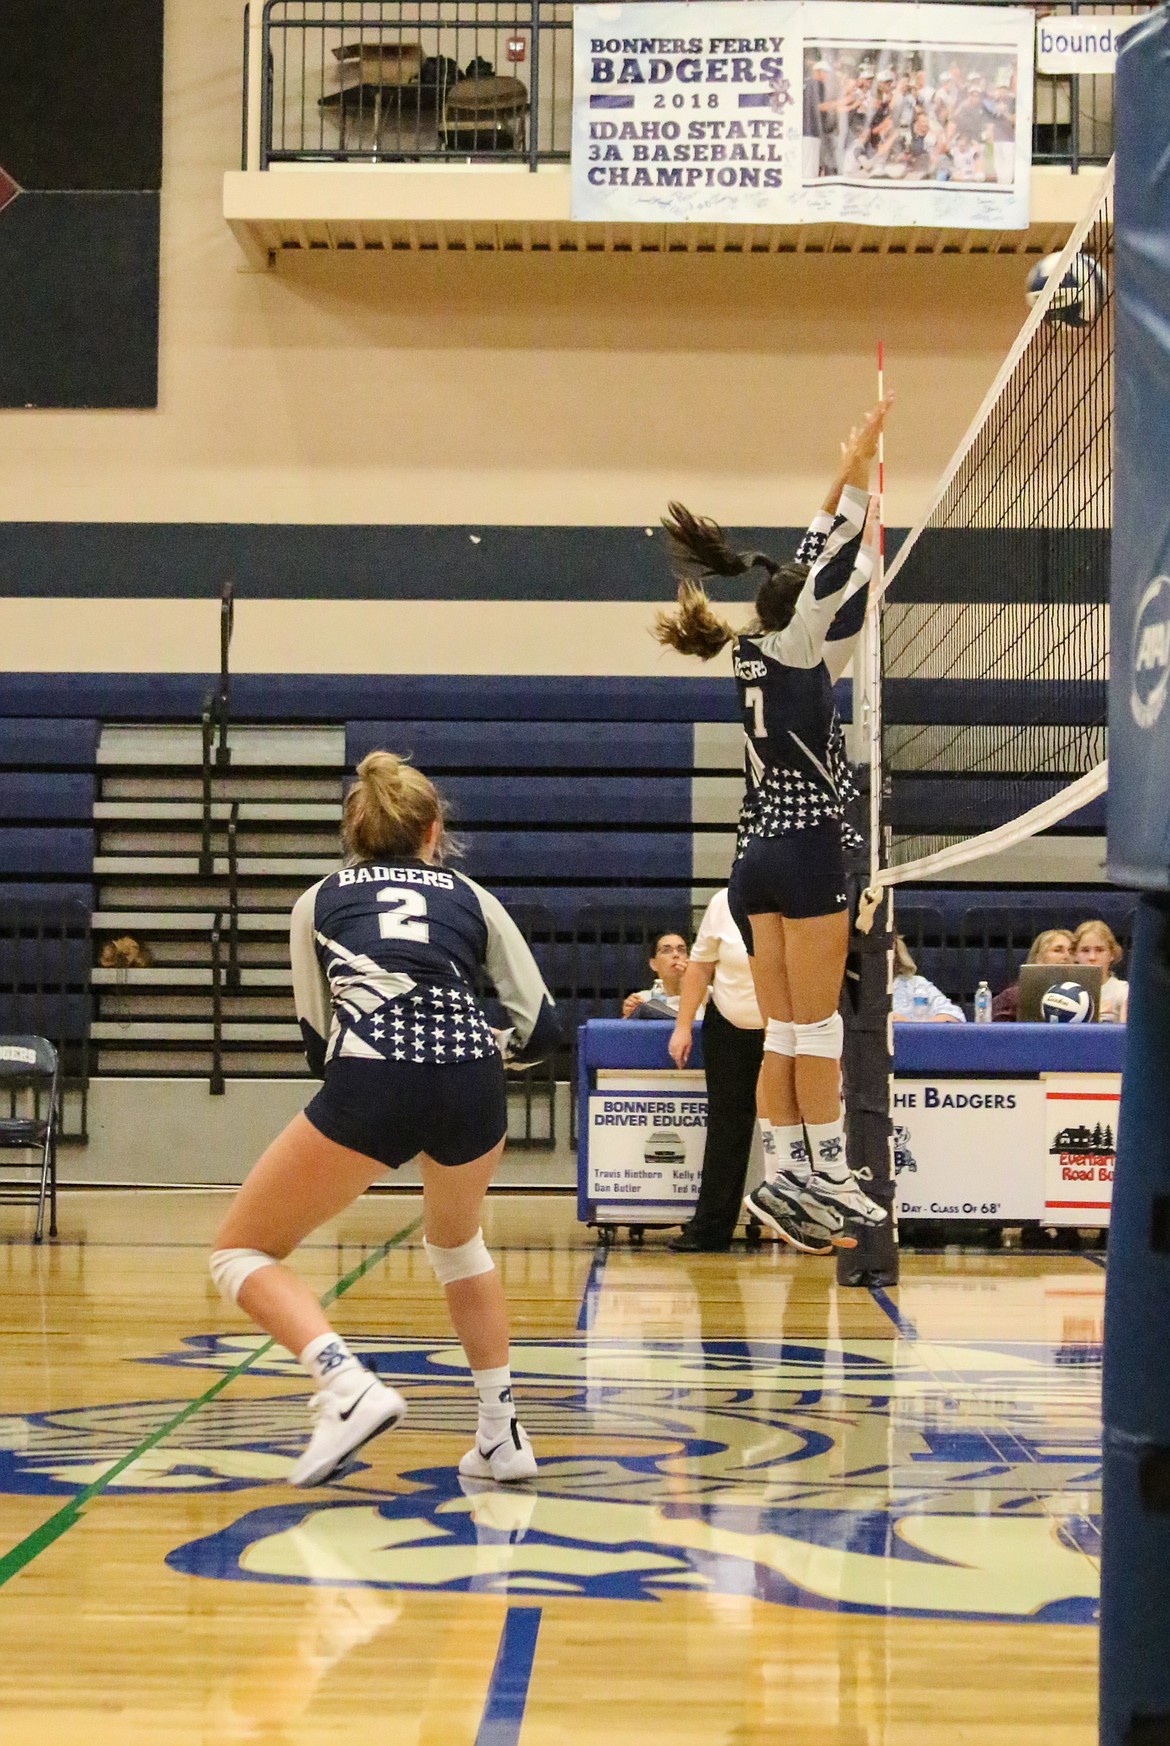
860 446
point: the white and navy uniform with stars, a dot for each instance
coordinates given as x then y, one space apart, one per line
385 957
790 848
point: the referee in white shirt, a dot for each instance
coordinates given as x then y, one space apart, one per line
733 1048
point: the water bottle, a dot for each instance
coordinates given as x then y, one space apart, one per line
983 1004
920 1006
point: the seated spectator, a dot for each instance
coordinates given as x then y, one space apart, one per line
1053 946
668 962
1095 943
916 999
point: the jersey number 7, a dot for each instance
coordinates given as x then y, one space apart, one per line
400 920
753 699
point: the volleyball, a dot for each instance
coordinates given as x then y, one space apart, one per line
1066 1003
1080 295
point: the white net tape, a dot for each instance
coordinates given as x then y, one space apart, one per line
1040 818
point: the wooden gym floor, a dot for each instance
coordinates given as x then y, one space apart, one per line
768 1510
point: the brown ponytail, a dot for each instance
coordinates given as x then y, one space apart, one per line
693 628
389 810
699 544
698 549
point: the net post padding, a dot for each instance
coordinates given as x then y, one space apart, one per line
1036 316
868 1067
1135 1527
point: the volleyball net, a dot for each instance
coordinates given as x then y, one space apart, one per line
989 717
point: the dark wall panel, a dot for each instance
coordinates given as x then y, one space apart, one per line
278 561
80 176
274 561
79 300
81 93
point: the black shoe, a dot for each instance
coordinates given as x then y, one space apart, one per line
690 1242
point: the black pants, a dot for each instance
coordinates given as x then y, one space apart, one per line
732 1060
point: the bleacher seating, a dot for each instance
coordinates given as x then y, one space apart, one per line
599 809
47 791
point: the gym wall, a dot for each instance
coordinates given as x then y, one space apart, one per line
563 399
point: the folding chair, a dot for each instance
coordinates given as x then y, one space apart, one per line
29 1065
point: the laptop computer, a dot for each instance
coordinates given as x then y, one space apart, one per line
1037 979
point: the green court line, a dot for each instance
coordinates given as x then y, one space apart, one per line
23 1553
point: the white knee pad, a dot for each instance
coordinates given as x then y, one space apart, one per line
230 1268
826 1038
780 1037
466 1262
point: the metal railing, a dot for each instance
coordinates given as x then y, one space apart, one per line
216 1084
457 81
214 723
370 81
247 76
225 963
216 755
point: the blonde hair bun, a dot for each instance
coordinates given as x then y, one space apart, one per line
389 809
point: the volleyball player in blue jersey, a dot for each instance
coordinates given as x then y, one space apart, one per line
788 887
385 954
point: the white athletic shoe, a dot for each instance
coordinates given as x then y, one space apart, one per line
508 1461
848 1197
784 1206
339 1429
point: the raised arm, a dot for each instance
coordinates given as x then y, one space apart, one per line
841 642
843 568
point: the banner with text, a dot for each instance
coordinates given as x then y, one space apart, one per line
776 112
646 1147
1084 43
1080 1135
969 1148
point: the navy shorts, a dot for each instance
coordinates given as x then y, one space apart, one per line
393 1110
798 875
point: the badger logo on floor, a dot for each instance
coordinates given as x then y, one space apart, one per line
773 1470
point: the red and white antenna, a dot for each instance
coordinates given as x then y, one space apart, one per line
873 648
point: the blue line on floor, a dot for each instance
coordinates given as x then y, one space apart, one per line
588 1311
885 1302
503 1710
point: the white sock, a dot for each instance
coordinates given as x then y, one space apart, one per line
827 1140
791 1152
331 1364
494 1387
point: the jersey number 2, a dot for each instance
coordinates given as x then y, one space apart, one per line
402 918
754 698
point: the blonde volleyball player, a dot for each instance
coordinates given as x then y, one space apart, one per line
385 954
788 888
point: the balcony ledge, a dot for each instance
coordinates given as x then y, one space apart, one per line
469 208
